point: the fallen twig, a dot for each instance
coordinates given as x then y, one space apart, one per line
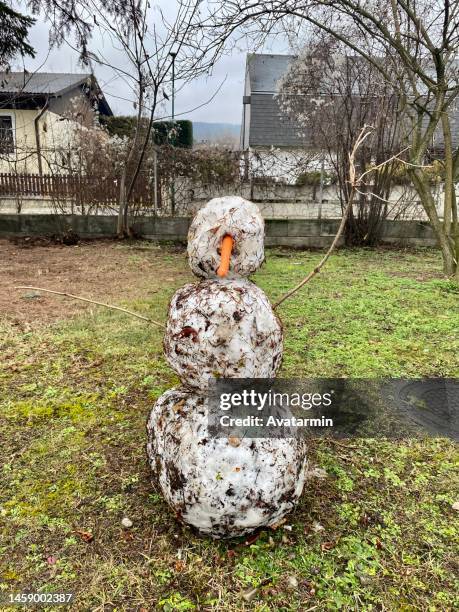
83 299
341 445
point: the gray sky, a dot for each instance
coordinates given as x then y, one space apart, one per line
226 106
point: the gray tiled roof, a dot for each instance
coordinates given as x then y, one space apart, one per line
40 82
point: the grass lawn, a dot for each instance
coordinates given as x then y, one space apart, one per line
377 533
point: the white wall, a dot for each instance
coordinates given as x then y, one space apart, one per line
56 135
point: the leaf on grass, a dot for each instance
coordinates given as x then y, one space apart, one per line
292 582
251 539
275 526
179 566
249 594
316 473
317 527
216 559
86 536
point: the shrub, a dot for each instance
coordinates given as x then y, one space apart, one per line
312 178
178 134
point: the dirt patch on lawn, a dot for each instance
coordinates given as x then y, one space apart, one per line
104 270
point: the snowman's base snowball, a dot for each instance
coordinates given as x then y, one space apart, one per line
222 487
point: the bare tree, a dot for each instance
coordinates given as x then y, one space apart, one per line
332 96
413 46
149 44
145 39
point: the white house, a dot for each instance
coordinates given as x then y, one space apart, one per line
39 113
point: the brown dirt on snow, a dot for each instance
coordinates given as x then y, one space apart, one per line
103 270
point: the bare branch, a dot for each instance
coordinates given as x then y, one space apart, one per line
365 132
83 299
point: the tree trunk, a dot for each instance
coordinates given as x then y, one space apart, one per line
450 205
421 184
121 229
124 193
455 229
449 185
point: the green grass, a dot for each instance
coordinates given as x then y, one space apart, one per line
378 533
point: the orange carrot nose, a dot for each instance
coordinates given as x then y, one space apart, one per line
226 248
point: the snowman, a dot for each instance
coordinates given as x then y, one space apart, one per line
222 326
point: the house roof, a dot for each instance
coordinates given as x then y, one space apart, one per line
265 70
27 85
40 82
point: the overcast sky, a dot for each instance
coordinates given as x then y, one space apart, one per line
226 106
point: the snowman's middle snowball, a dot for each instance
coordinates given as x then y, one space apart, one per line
222 329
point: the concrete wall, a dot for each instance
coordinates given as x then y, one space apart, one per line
279 232
280 201
274 201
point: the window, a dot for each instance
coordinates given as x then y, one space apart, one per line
6 134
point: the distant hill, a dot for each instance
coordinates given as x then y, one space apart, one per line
215 132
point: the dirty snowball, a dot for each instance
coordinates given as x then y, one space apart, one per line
222 489
229 215
223 329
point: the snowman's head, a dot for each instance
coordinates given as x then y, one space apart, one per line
226 239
